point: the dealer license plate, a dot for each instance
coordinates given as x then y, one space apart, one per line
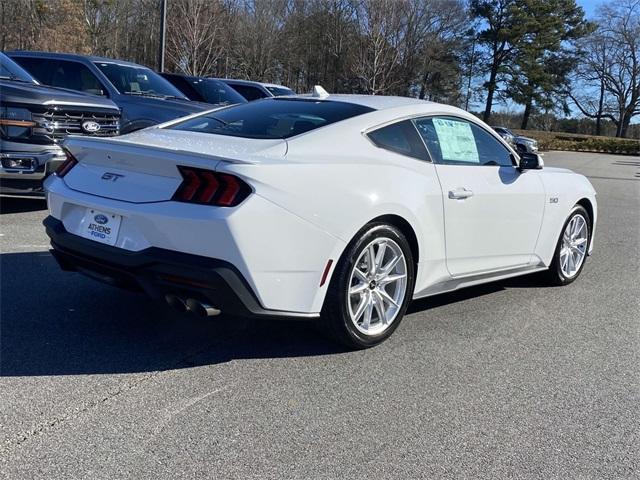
101 226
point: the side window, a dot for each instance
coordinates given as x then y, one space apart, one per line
40 68
184 85
400 138
453 141
250 93
75 76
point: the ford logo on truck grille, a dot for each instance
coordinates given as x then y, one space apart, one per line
90 126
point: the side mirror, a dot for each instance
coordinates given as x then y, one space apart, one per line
530 161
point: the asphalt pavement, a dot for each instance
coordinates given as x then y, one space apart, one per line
507 380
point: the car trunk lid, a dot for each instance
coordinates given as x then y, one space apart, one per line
142 167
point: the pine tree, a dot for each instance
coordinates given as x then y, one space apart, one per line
545 53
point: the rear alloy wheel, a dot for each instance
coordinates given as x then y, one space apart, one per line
371 287
572 248
377 286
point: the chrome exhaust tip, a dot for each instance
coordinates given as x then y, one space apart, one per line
176 303
201 309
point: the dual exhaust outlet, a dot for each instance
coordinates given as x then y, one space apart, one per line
198 308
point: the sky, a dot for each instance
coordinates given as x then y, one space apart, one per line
590 6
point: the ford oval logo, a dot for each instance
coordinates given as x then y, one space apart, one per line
101 219
90 126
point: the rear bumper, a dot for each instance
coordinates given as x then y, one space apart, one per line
159 272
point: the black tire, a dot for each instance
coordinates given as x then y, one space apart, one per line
335 316
554 275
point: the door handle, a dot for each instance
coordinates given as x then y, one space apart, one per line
460 194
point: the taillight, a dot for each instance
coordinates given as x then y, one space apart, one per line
210 188
66 166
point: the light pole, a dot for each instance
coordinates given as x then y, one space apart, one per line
473 52
163 27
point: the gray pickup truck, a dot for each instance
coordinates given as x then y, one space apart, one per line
34 120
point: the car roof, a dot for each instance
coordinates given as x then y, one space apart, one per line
71 56
377 102
384 109
252 82
190 77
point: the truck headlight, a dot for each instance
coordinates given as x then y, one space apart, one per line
15 122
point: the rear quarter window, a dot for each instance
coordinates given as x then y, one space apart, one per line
272 118
401 138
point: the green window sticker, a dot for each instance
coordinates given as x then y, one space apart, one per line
456 140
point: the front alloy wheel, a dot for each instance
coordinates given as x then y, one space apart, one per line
571 250
370 288
574 246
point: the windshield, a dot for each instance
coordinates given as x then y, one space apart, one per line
280 91
11 70
138 80
216 92
272 118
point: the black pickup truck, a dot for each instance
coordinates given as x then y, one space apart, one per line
33 122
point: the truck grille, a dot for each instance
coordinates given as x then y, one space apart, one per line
56 125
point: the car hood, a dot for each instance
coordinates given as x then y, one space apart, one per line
526 139
33 94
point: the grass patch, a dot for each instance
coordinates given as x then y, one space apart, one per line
575 142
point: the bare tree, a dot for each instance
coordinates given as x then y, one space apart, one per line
21 24
40 25
613 67
380 46
590 76
194 34
98 19
257 38
621 26
403 47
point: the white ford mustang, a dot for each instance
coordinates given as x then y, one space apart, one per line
337 207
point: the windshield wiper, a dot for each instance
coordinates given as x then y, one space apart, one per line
155 95
144 94
175 97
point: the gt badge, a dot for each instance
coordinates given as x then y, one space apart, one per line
111 176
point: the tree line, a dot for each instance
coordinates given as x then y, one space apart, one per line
541 57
